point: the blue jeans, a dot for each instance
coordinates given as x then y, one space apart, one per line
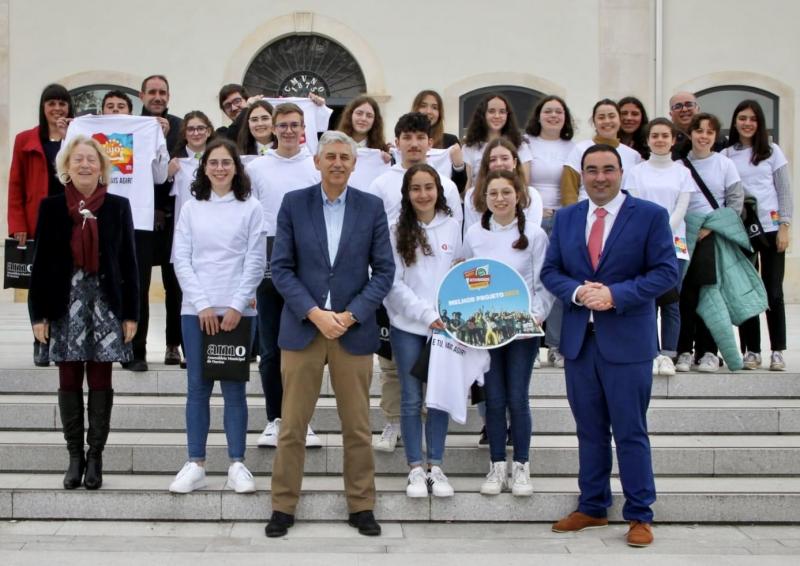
406 348
506 385
671 320
198 414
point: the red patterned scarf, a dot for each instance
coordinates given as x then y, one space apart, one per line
85 242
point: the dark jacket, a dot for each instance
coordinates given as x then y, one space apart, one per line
53 264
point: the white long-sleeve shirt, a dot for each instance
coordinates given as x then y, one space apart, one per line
496 243
411 303
388 186
220 254
272 176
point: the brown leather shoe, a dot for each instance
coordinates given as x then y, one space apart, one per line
639 534
577 521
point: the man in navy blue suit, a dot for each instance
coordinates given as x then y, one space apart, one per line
332 262
609 258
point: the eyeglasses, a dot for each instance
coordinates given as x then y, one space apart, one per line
227 106
681 105
196 129
288 126
217 163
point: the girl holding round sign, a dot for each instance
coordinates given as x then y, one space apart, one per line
424 242
504 235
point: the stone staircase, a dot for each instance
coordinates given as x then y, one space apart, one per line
726 448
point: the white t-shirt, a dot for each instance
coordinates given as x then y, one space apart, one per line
547 165
718 173
630 158
663 186
758 182
533 213
437 158
388 188
452 370
369 166
474 153
139 158
220 254
315 118
272 176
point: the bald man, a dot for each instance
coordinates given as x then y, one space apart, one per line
683 106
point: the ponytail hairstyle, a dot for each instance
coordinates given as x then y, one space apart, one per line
519 188
410 234
761 147
479 194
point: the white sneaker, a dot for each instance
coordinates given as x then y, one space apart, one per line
520 479
496 480
269 438
537 363
665 365
752 360
776 362
655 366
555 358
240 479
709 363
684 363
388 440
312 440
191 477
417 483
440 485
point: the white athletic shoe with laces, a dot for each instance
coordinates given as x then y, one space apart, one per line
684 362
709 363
751 360
240 479
269 438
312 440
191 476
520 479
665 365
388 440
776 362
440 485
496 480
417 483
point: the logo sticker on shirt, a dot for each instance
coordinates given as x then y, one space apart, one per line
775 217
680 246
119 149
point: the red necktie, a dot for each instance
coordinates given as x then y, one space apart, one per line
596 236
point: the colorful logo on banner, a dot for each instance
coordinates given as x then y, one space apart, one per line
485 304
119 149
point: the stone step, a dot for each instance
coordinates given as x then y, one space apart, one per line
546 382
164 453
145 497
550 416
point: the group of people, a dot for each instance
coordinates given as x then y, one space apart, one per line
310 238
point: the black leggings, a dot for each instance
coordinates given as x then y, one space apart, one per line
98 376
772 265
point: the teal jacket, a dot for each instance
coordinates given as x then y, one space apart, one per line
739 292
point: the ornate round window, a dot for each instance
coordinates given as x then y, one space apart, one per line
298 65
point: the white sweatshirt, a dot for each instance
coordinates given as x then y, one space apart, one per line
220 254
496 243
411 303
533 213
388 187
272 176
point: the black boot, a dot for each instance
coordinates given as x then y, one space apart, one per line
70 405
100 403
41 354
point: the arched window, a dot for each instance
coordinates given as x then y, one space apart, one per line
523 100
297 65
722 100
88 98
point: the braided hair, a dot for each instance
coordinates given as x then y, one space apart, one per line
410 234
519 188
